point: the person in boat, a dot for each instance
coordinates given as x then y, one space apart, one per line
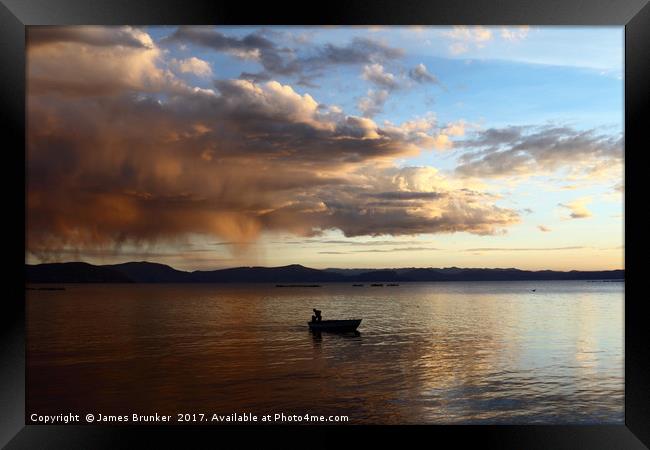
317 317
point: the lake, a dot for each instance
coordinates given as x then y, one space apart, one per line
426 353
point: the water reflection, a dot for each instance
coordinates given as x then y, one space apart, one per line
427 353
318 335
332 339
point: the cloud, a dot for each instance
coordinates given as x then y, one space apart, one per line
160 161
376 74
544 229
578 208
420 74
425 131
283 60
463 38
97 61
255 77
359 51
449 210
88 35
350 243
519 249
252 46
376 250
455 129
515 33
385 82
469 33
373 103
523 151
406 195
192 65
396 250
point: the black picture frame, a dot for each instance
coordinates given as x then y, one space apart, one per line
16 14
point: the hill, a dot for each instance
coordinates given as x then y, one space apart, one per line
147 272
73 272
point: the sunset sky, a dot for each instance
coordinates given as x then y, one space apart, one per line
369 147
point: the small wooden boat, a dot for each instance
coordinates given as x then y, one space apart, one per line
335 326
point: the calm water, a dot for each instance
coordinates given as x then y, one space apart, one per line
481 352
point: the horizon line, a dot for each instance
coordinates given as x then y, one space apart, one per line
328 268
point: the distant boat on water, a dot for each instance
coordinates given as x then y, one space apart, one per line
393 284
377 285
45 289
357 285
298 285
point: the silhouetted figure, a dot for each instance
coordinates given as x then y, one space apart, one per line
318 317
313 318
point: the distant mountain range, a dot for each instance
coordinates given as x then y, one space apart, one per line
147 272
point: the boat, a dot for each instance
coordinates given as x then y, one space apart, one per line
377 285
335 326
45 288
298 285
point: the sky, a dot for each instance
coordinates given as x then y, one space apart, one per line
367 147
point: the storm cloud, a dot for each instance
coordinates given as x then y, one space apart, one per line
122 151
